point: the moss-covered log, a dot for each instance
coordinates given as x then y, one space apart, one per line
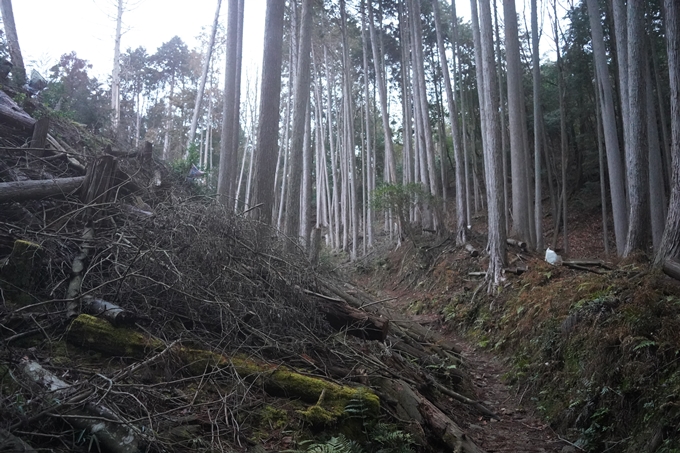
99 335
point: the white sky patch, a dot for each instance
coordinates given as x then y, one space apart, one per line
48 29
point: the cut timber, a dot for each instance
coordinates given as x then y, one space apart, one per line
40 128
517 243
412 405
672 268
472 250
357 322
14 116
113 434
112 313
17 191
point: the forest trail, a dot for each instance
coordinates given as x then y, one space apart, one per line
519 429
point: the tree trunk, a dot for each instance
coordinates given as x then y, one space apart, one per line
301 102
670 243
518 162
230 109
18 69
657 197
536 76
455 132
115 76
268 128
637 161
563 138
492 151
391 168
204 76
615 165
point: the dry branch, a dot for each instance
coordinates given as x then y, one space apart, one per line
112 433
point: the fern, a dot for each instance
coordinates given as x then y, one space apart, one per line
339 444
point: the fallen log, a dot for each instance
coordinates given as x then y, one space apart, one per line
112 313
672 268
410 404
18 191
471 250
517 243
99 335
113 434
14 116
357 323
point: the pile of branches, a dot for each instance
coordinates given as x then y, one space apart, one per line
190 278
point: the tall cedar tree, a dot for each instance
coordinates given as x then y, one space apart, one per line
270 96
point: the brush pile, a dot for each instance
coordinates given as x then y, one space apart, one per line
137 315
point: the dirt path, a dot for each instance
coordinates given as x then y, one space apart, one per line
519 429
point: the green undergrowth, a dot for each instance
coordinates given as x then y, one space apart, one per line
599 355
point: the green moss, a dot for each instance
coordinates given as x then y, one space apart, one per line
94 333
317 416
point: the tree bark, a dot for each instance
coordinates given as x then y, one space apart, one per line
115 76
204 76
18 69
637 161
301 102
670 243
492 151
455 132
518 161
536 76
227 172
268 129
18 191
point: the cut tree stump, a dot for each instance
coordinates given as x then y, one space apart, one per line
40 129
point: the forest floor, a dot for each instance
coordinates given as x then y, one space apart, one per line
422 289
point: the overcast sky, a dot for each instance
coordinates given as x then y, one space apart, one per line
48 29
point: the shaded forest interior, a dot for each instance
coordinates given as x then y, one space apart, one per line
191 260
